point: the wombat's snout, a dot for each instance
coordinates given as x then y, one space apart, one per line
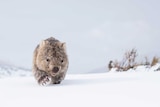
55 69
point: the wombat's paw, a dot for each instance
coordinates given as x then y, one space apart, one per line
44 80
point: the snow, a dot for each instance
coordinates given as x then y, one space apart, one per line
110 89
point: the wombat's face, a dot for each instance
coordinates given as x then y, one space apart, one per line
52 57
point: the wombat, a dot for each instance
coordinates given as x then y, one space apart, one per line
50 62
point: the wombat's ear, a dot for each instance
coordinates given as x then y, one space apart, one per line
63 45
43 43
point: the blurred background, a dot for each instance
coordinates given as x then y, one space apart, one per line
95 31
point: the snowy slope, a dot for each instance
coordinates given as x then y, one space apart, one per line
112 89
8 70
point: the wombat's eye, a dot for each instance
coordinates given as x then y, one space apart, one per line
47 60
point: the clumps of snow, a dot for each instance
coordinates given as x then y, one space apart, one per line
8 70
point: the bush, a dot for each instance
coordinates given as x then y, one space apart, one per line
110 65
129 61
155 60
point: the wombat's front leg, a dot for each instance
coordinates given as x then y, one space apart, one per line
58 78
42 77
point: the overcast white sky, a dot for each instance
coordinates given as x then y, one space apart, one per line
95 31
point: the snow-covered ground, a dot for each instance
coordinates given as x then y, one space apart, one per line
110 89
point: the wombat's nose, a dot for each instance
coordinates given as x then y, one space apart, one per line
55 69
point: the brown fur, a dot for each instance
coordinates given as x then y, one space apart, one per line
50 62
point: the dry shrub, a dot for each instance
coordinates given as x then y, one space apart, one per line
129 59
110 65
127 62
155 60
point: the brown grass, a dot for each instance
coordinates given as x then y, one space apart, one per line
155 60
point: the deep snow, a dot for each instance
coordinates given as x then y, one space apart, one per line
113 89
